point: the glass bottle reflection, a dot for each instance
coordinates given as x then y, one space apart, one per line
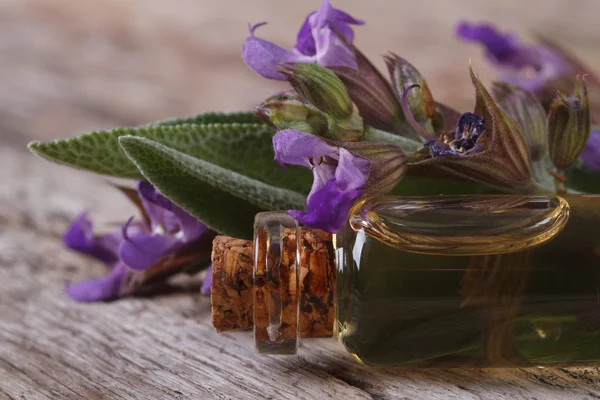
459 281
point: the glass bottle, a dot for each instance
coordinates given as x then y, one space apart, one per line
442 281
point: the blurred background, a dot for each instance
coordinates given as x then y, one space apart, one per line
70 66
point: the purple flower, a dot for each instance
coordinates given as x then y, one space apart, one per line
136 247
542 69
80 237
486 147
530 67
591 152
317 43
341 175
207 283
469 129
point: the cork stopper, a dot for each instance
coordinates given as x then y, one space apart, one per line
233 288
232 295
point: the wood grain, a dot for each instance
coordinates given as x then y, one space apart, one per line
70 66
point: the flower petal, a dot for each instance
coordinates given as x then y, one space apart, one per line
515 60
140 252
331 51
80 237
504 49
100 289
340 16
174 219
295 148
305 43
352 171
591 152
321 175
327 208
160 216
327 14
264 57
318 26
207 283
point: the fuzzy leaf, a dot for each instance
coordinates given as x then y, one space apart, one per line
239 117
243 148
224 200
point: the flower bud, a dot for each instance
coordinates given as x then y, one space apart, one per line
287 111
527 111
373 96
319 87
347 130
404 75
569 126
487 148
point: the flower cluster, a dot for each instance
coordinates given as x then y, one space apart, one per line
344 99
166 241
543 68
361 134
341 175
317 43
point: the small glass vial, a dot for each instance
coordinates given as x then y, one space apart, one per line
448 281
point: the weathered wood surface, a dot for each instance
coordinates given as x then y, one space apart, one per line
69 66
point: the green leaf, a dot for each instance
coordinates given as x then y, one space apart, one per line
239 117
243 148
224 200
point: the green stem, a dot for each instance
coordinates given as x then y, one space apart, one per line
559 183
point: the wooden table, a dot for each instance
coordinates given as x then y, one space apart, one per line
70 66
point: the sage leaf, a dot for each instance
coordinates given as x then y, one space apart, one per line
224 200
239 117
243 148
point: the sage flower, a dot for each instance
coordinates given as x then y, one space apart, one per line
568 126
372 94
390 107
341 174
317 43
543 68
140 249
207 283
286 110
485 147
591 153
528 66
529 115
320 88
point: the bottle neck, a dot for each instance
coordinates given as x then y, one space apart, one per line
282 284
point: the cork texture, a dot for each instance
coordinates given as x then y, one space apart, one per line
233 288
232 295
